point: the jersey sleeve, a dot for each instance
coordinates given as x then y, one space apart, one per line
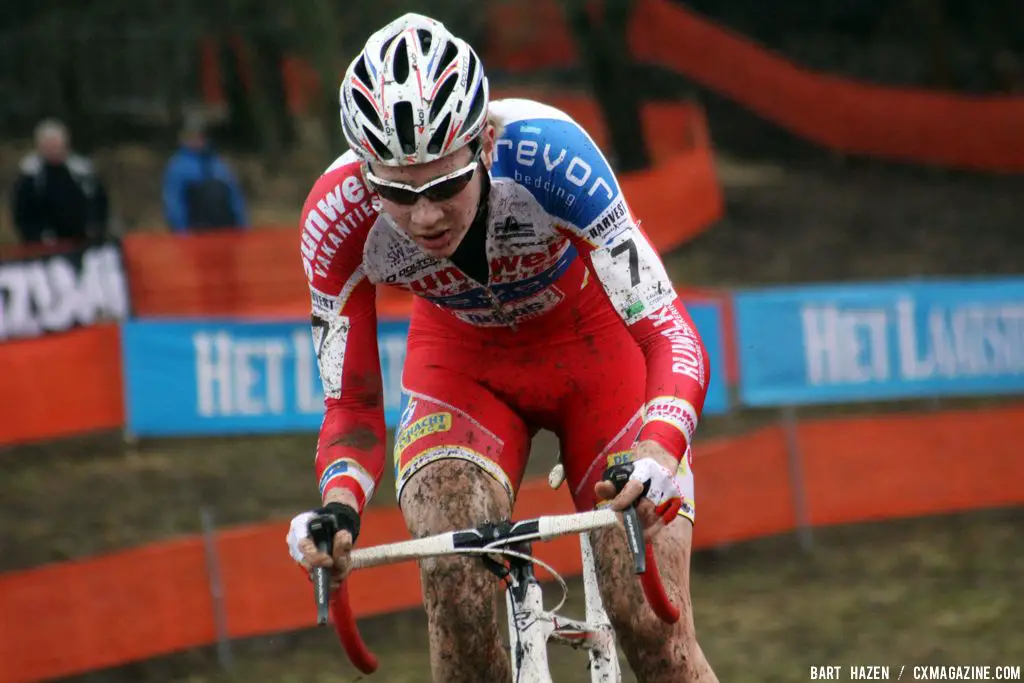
336 218
634 280
571 179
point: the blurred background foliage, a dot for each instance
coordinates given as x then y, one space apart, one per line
130 70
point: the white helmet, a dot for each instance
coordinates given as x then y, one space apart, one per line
414 94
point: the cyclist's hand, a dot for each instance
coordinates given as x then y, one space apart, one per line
338 562
652 482
304 551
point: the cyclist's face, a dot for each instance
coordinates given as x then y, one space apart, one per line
437 225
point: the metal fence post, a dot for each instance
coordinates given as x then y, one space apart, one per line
224 654
804 532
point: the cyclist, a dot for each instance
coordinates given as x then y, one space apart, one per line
540 304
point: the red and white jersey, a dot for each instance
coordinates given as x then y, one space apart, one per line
557 223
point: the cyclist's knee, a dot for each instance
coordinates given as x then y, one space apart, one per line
448 495
459 597
452 494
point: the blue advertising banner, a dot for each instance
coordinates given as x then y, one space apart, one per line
207 377
212 378
707 318
841 343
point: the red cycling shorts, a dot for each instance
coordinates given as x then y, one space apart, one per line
480 394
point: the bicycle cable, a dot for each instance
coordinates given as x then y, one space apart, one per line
523 556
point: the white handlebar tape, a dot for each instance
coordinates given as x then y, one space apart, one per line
431 546
559 525
548 527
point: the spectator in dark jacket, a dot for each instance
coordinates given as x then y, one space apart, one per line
57 195
200 191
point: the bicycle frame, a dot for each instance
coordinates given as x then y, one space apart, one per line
530 626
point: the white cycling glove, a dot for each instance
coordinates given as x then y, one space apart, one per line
661 486
298 531
339 517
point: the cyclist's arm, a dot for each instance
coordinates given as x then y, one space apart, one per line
632 276
635 281
350 450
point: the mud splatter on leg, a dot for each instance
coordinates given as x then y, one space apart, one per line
657 652
459 594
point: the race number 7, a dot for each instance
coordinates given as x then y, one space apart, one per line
320 331
634 259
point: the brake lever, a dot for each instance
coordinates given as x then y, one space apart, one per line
322 530
635 538
643 552
619 476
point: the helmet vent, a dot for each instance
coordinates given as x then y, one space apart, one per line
443 93
401 61
449 54
385 45
379 147
472 69
439 136
475 110
362 74
366 108
425 40
405 127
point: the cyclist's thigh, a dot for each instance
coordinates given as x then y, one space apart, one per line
459 456
447 419
604 419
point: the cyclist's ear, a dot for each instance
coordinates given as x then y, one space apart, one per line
488 139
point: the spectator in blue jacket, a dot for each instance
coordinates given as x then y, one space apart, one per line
200 191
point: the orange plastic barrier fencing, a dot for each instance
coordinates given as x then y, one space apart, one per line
895 123
906 124
251 273
911 465
140 603
61 385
